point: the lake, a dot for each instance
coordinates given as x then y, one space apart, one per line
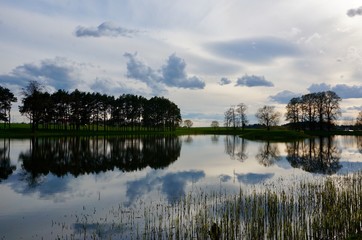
91 187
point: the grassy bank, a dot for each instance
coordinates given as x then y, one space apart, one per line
275 134
278 135
24 131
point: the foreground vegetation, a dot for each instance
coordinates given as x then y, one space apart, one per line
321 209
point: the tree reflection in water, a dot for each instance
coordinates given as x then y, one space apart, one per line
359 143
268 154
83 155
235 147
317 155
6 169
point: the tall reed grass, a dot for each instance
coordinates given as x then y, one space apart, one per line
328 208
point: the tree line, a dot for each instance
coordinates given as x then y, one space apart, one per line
77 109
310 111
314 111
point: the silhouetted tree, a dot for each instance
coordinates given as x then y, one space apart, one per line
161 113
242 118
61 105
33 103
6 98
235 116
214 124
268 116
79 109
230 118
314 109
294 112
359 121
188 123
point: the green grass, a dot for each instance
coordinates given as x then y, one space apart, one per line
277 134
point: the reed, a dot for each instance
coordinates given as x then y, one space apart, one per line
325 208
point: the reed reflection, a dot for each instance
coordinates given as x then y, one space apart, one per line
317 155
83 155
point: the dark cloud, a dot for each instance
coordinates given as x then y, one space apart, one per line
172 74
57 73
342 90
48 187
106 29
256 50
345 91
355 108
253 81
174 184
224 81
139 70
319 87
284 96
354 11
224 178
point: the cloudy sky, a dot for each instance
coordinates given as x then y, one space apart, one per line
204 55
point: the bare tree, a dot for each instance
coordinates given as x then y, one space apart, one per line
230 118
268 116
242 119
214 124
359 120
188 123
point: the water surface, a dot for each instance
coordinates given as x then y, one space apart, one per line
58 187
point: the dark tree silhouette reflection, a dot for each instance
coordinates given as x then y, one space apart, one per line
6 169
235 147
359 143
317 155
83 155
268 154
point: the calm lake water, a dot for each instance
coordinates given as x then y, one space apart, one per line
57 187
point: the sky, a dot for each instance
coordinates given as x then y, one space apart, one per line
205 55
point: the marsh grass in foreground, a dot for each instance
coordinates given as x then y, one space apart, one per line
323 209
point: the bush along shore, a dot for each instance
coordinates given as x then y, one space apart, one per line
326 208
